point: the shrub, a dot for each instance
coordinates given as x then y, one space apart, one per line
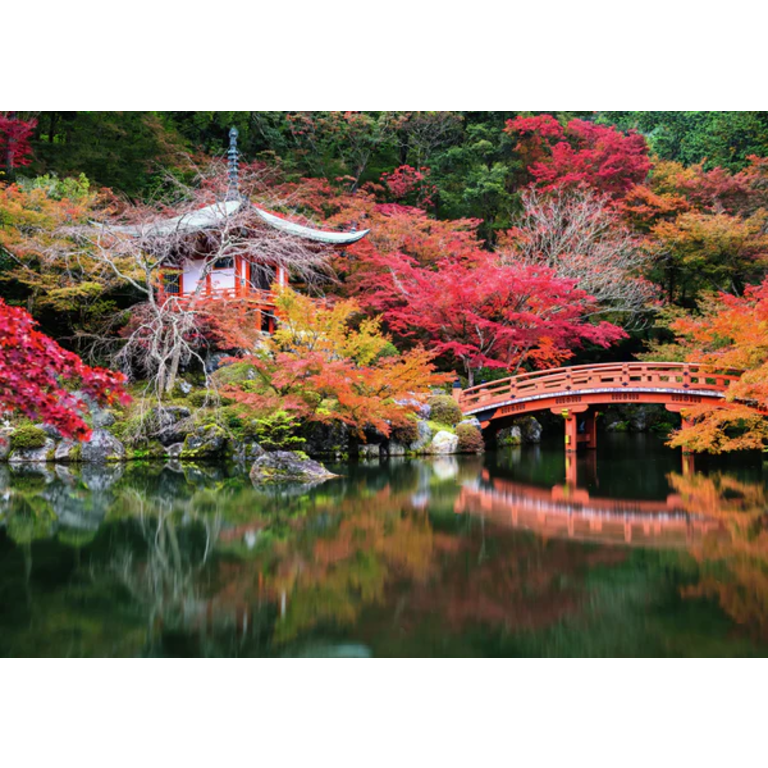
28 437
278 432
207 398
445 410
406 433
470 439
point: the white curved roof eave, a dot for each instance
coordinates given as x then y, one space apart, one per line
212 215
319 235
209 216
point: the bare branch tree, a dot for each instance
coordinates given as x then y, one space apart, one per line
163 334
581 237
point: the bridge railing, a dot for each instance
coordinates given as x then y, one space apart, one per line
678 376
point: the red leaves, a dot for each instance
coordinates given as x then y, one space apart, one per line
482 314
33 369
581 154
15 149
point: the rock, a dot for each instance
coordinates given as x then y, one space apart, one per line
33 455
332 439
204 443
185 387
50 430
174 451
213 361
68 450
396 449
472 421
617 426
509 436
248 452
5 443
369 451
422 409
170 423
425 438
638 422
101 448
444 443
287 467
530 430
100 417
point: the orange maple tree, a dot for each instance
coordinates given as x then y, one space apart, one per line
325 363
730 333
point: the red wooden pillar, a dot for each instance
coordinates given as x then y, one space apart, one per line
590 427
571 431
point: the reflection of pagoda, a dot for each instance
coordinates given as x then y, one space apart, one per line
567 512
191 272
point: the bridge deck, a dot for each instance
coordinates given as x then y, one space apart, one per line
665 383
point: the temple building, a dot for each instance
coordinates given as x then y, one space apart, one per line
190 272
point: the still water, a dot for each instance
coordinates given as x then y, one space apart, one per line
644 554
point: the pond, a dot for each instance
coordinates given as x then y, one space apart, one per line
642 554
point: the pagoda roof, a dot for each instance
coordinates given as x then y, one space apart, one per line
213 215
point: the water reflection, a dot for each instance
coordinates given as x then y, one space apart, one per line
499 554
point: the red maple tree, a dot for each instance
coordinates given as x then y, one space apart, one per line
34 370
580 154
482 314
15 149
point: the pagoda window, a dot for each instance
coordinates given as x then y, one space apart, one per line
225 262
262 277
172 283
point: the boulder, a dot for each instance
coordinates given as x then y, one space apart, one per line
68 450
425 438
33 455
509 436
369 451
473 421
444 443
287 467
174 451
5 443
530 430
170 423
332 439
101 448
100 417
248 452
204 443
638 421
396 449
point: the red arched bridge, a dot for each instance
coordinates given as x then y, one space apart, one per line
579 389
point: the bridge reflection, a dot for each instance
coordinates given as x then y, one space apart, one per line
566 511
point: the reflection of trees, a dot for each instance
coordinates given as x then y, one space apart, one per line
734 567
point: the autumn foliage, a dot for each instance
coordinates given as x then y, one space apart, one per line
730 333
580 154
15 135
479 313
329 363
34 370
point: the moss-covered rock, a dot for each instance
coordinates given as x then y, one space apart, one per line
28 438
288 467
204 443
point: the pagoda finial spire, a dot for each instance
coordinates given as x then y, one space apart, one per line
233 188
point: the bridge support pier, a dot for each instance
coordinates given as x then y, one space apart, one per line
590 429
571 432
